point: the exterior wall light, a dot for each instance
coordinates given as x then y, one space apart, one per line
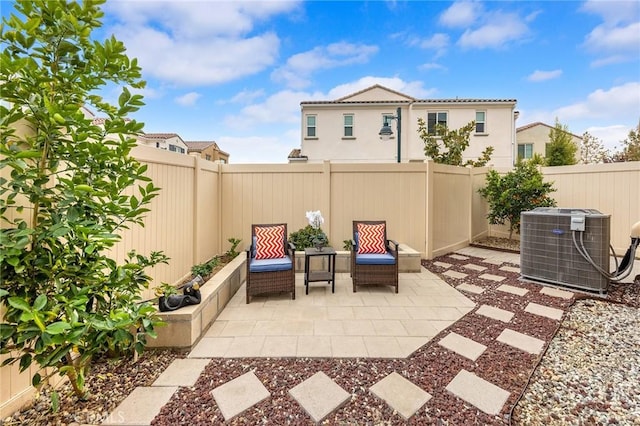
386 132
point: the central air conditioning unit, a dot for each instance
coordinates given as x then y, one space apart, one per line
548 252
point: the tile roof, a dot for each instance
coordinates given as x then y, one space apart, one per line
539 123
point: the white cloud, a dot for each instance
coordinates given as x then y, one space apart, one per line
619 103
282 107
538 75
611 136
613 12
498 30
247 96
191 43
461 14
299 68
188 99
432 66
412 88
604 38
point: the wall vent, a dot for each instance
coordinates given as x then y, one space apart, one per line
548 253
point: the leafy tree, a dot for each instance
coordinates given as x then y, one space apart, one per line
452 146
561 151
521 189
630 147
66 191
592 150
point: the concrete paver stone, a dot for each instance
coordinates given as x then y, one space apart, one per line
454 274
141 406
400 394
554 292
464 346
442 264
518 291
510 269
238 394
474 267
495 313
545 311
475 289
182 372
521 341
319 396
458 257
492 277
478 392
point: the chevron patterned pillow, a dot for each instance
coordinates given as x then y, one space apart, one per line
371 239
269 242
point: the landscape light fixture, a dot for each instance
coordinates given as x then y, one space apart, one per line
386 132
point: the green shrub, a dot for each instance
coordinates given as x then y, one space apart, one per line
307 237
521 189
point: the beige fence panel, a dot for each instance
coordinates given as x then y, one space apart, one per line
391 192
451 207
613 189
479 207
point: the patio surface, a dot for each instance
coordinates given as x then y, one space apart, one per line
373 323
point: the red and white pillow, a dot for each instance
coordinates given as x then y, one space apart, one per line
269 242
371 239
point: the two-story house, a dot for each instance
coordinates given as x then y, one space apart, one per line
348 129
209 150
168 141
533 138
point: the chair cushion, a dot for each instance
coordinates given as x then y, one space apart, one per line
270 265
269 242
371 238
375 259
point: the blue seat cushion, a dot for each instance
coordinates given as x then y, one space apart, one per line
270 265
375 259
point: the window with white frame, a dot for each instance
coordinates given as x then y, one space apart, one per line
348 126
481 122
311 126
434 119
175 148
525 151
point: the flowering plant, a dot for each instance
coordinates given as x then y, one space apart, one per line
315 221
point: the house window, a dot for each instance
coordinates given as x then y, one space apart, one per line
175 148
311 126
348 125
481 121
434 119
525 151
207 157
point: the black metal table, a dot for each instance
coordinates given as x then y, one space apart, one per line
328 274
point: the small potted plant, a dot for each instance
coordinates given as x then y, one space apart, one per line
163 292
319 238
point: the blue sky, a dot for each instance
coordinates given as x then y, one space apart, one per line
236 72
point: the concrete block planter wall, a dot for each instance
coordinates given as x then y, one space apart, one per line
186 325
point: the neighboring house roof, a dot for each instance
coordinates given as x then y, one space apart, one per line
199 146
538 123
160 135
408 99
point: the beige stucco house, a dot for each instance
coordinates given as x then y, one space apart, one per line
533 139
347 129
167 141
208 150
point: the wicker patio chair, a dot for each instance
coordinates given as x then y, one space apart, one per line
273 273
374 268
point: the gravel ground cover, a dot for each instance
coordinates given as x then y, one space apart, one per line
564 385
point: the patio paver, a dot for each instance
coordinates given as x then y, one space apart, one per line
238 394
492 277
474 267
454 274
182 372
545 311
478 392
141 406
475 289
461 345
319 396
400 394
521 341
512 289
495 313
554 292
